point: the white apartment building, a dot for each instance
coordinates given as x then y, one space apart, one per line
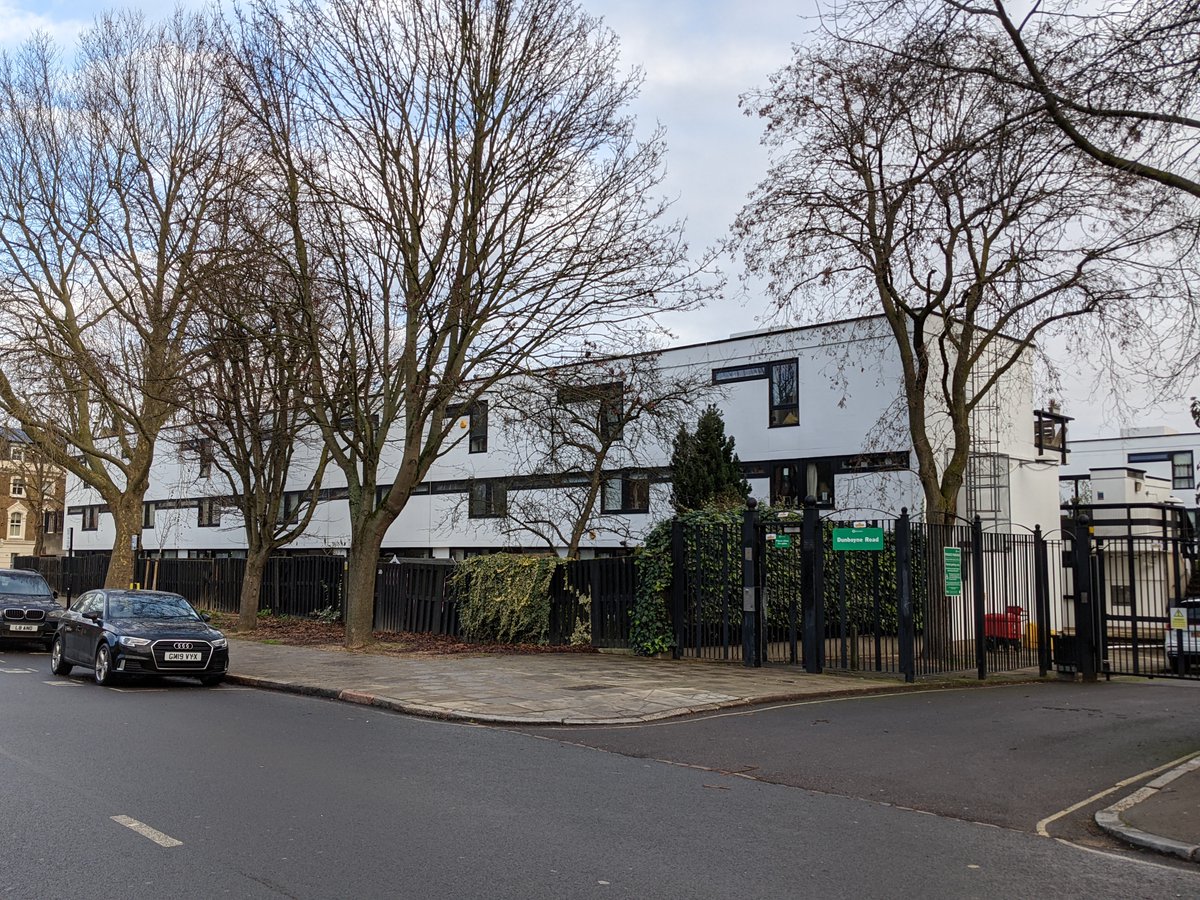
815 410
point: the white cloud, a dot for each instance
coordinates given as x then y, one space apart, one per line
18 25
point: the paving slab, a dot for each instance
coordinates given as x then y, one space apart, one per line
533 689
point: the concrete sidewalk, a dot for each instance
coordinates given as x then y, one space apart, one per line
533 689
1164 815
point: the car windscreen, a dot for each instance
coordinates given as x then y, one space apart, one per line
156 607
24 583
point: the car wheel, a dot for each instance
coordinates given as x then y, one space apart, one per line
103 668
58 662
212 680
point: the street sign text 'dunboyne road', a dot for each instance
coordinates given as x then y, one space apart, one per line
858 538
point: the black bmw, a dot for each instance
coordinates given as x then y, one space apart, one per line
119 632
28 608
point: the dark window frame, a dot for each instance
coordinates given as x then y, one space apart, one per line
1186 482
91 518
491 502
52 521
208 512
148 514
783 414
634 500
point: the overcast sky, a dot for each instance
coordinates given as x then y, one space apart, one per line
699 56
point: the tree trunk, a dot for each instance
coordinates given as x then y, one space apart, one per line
359 608
256 564
127 518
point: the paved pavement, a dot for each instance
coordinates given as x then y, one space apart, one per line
612 689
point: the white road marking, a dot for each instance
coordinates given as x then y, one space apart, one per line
163 840
1041 826
18 671
64 683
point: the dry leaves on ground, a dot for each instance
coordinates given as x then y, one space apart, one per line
302 632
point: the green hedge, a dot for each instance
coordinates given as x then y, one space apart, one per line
505 598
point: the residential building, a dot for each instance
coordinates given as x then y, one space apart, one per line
31 500
814 411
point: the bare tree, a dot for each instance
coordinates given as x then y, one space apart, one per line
1120 81
247 409
467 199
113 175
930 195
588 440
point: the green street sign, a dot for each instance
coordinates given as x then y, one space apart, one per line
783 542
858 539
952 570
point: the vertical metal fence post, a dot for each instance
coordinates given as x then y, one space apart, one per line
678 589
809 582
1084 601
751 608
904 603
1041 595
978 596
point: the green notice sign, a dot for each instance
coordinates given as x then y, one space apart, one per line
858 539
952 569
783 542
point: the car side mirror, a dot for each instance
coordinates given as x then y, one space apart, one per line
206 617
54 594
94 616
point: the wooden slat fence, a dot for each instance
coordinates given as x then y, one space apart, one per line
415 595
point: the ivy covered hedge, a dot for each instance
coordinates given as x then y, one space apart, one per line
505 598
712 546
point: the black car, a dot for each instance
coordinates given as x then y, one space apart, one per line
118 632
29 610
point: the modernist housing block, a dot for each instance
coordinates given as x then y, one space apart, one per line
814 411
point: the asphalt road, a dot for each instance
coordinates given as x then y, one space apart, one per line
274 795
1008 755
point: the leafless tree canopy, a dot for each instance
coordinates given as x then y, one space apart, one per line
901 184
114 170
467 199
577 431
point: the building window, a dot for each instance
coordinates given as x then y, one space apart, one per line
876 462
610 406
734 374
17 486
202 449
785 486
52 521
148 516
476 415
17 454
91 518
1183 476
289 506
626 494
209 513
818 481
785 394
488 500
16 526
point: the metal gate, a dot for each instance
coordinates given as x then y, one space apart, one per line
884 596
1143 614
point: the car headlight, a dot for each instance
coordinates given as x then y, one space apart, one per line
127 641
220 642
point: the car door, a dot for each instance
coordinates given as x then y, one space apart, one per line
73 626
88 630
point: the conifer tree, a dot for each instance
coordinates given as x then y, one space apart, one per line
705 470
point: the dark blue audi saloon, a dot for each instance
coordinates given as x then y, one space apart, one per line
138 633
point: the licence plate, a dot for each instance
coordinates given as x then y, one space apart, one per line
180 656
21 627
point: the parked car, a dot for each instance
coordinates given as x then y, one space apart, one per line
29 610
1189 638
138 633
